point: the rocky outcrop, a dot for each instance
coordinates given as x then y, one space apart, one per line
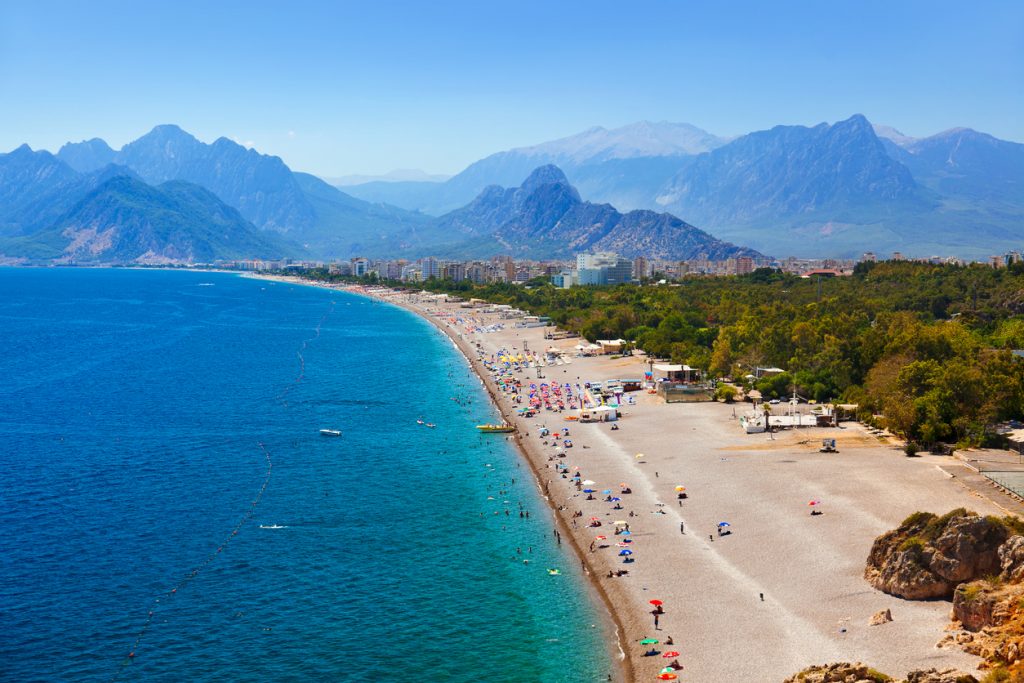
928 556
839 672
845 672
1011 559
939 676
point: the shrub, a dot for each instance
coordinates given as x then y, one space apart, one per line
910 449
918 519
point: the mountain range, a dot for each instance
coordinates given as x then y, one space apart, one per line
545 218
833 190
168 197
836 190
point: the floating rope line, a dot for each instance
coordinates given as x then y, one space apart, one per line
283 396
250 511
188 578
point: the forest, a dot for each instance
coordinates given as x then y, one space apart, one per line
923 348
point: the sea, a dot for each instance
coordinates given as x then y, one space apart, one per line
170 512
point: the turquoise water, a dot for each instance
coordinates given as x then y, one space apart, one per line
153 423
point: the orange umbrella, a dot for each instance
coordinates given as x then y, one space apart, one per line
667 677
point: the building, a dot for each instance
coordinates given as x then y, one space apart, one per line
603 268
360 266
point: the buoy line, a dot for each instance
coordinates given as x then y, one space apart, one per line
250 511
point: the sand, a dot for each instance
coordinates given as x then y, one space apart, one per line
816 604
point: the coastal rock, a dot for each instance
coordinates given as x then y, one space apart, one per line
976 606
927 556
882 617
838 672
937 676
845 672
1011 559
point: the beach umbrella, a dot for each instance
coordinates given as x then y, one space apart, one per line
606 491
680 488
595 519
667 670
670 653
619 522
626 551
616 499
627 532
656 602
639 455
602 538
589 490
588 482
622 544
815 502
667 677
649 641
722 525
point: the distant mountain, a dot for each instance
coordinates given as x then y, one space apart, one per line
37 187
834 190
545 218
840 190
965 163
399 175
610 164
261 187
124 220
86 156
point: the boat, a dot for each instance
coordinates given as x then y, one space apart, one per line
330 432
496 429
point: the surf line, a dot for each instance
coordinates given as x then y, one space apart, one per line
188 578
250 511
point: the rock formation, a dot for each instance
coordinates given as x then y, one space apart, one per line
928 556
845 672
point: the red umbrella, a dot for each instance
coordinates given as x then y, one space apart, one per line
667 677
670 654
657 602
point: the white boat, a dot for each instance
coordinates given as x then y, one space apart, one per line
330 432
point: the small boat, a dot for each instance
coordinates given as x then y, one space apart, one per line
420 422
330 432
431 425
496 429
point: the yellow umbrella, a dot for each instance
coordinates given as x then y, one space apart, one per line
680 488
639 455
619 522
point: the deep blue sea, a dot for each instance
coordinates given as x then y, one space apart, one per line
153 423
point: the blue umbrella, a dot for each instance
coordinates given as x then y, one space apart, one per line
722 524
615 499
606 491
627 532
589 491
625 551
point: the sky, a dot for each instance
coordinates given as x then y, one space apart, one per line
339 88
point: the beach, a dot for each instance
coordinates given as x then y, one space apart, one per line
783 589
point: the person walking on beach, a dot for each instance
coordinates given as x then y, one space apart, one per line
682 528
656 616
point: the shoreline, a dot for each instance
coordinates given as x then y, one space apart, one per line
782 590
626 669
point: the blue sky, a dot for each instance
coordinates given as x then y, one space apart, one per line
345 87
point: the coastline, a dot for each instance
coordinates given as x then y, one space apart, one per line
784 590
619 652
